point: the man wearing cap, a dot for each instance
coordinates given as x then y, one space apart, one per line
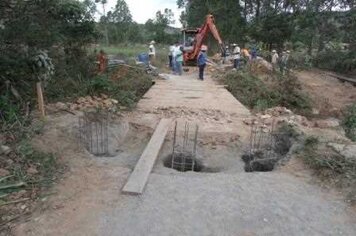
202 60
275 58
152 51
237 56
284 61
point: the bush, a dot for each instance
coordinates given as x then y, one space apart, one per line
254 93
336 60
123 84
349 122
330 166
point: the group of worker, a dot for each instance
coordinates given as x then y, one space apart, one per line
239 55
175 57
280 62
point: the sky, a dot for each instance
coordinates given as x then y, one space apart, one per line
142 10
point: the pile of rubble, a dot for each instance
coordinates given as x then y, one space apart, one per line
260 66
277 115
89 102
280 115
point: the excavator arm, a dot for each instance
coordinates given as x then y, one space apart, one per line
202 33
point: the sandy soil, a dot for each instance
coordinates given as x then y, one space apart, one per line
329 94
228 201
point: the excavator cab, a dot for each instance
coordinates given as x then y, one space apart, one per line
189 39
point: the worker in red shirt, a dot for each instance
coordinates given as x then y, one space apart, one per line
102 61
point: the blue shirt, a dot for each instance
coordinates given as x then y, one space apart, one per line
202 58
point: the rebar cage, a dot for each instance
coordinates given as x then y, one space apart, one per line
262 141
93 132
185 147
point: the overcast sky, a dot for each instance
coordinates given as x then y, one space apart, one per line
142 10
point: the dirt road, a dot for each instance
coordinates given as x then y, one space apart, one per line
329 95
222 201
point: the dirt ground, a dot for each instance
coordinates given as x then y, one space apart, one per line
223 200
329 94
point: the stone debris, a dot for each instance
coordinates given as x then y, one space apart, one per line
277 115
89 102
347 151
4 172
5 149
329 123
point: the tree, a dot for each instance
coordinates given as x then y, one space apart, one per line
65 27
121 13
103 20
156 28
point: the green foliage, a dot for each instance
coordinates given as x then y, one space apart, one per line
250 90
272 29
330 166
349 122
34 42
9 111
254 93
336 60
127 90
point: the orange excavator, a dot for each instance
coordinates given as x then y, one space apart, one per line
193 39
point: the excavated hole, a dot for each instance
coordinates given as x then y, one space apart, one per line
266 160
183 163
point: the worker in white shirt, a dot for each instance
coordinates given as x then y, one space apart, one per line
170 56
175 51
237 56
275 59
152 51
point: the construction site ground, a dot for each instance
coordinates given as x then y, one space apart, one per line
223 199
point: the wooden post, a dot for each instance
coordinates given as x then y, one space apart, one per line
40 100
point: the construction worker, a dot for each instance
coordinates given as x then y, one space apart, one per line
174 57
246 55
152 51
226 54
170 56
179 61
237 56
275 59
284 62
202 60
102 61
254 53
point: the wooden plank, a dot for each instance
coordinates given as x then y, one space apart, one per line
40 100
138 178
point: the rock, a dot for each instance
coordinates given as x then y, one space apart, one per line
264 117
5 149
114 101
61 106
268 121
347 151
32 170
315 111
248 121
282 120
337 147
330 123
4 172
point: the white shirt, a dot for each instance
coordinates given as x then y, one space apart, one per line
152 50
275 58
171 50
236 52
176 51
